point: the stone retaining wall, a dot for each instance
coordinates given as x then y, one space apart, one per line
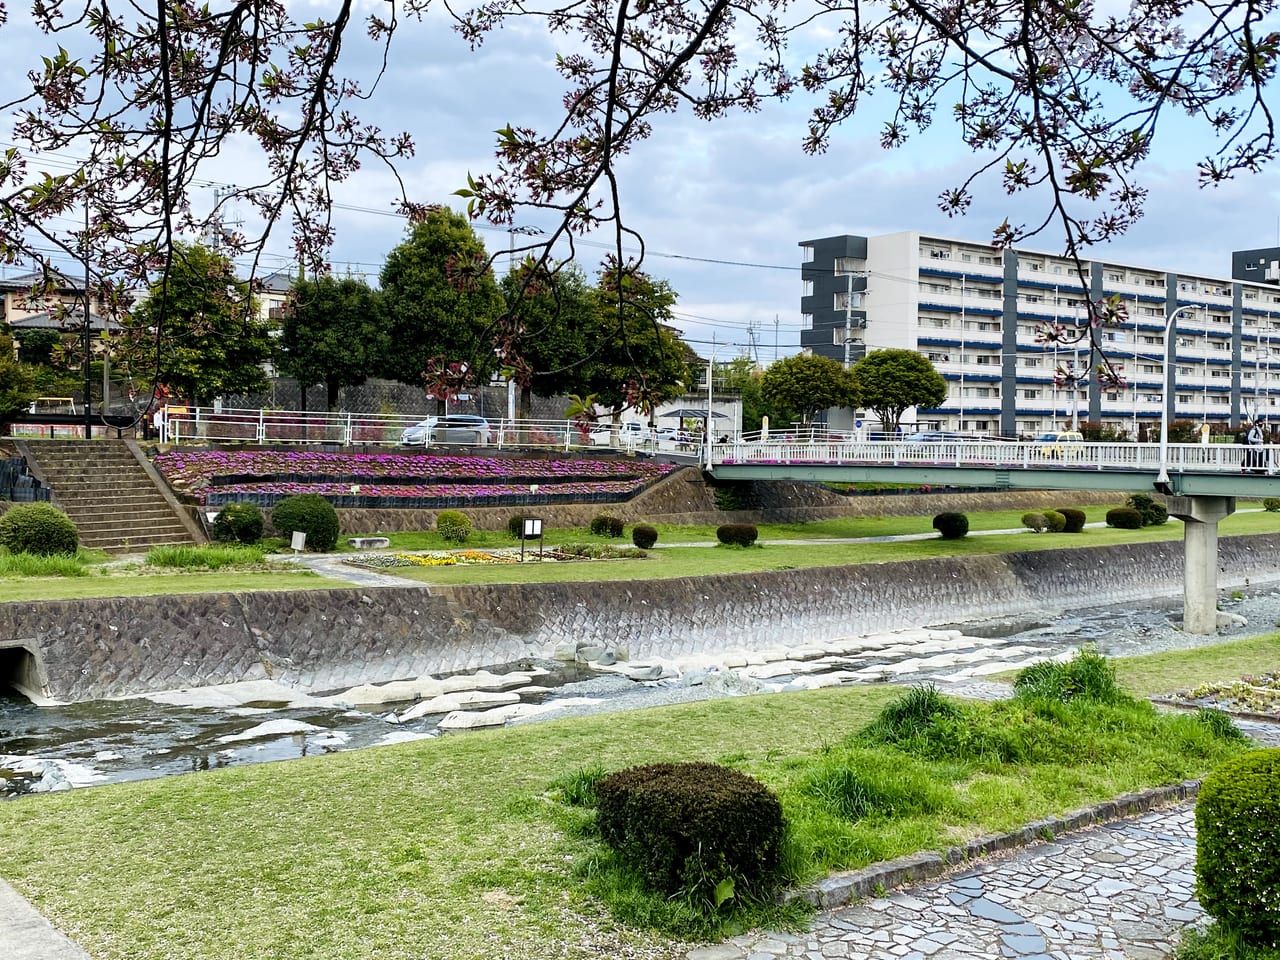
329 639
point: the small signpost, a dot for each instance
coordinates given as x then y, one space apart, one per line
531 528
299 541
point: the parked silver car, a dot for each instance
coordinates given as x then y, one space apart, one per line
459 428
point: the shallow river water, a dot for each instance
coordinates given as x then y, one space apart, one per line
44 748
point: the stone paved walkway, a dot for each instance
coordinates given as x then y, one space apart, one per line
1123 891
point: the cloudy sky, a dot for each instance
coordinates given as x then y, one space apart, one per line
724 205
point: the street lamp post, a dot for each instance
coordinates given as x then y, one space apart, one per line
1162 480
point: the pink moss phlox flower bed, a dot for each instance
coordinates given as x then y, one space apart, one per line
204 472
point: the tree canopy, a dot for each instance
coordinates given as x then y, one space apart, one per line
16 385
333 332
807 383
549 321
1062 100
442 303
635 360
890 382
199 329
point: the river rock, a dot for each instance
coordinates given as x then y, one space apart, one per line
462 700
272 728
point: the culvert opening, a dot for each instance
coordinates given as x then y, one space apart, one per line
17 673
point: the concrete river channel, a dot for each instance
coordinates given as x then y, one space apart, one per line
104 741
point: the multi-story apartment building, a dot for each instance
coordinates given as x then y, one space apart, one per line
975 310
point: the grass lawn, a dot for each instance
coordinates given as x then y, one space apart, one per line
667 562
126 584
458 849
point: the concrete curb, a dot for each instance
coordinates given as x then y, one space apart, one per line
841 889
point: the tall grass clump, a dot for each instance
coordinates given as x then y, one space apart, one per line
911 715
40 565
1086 676
213 557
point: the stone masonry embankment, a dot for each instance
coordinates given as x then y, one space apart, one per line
328 639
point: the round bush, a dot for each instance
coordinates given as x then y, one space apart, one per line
241 522
515 526
951 526
1153 512
310 513
1271 504
1238 846
737 534
454 526
1074 519
1124 518
606 526
644 536
690 827
1056 521
1035 522
38 528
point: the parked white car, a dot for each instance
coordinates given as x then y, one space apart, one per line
464 428
629 433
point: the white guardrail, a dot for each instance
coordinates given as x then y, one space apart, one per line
202 424
1001 454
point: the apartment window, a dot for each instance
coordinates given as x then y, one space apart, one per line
1115 277
806 321
1153 341
808 288
1219 347
806 251
989 261
939 357
1185 371
1149 368
1253 295
1031 394
1226 375
1113 396
967 257
984 360
1219 318
1186 342
1219 401
1031 362
1152 397
937 253
1033 298
1184 398
939 323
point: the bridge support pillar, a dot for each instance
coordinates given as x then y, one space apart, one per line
1201 516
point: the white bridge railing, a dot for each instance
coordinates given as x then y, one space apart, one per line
999 454
183 424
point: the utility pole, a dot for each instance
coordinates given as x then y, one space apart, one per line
88 387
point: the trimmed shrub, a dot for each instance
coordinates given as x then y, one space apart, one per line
606 526
1086 676
38 528
644 536
1035 522
515 526
1153 511
1124 518
695 829
1074 519
951 526
310 513
453 525
737 534
1271 504
1238 846
239 522
1057 522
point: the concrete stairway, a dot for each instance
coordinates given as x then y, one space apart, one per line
115 502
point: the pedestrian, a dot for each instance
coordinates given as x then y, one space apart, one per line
1255 461
157 424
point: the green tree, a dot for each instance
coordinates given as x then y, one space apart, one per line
742 377
16 385
806 383
334 332
547 325
203 327
36 345
890 381
442 303
636 359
